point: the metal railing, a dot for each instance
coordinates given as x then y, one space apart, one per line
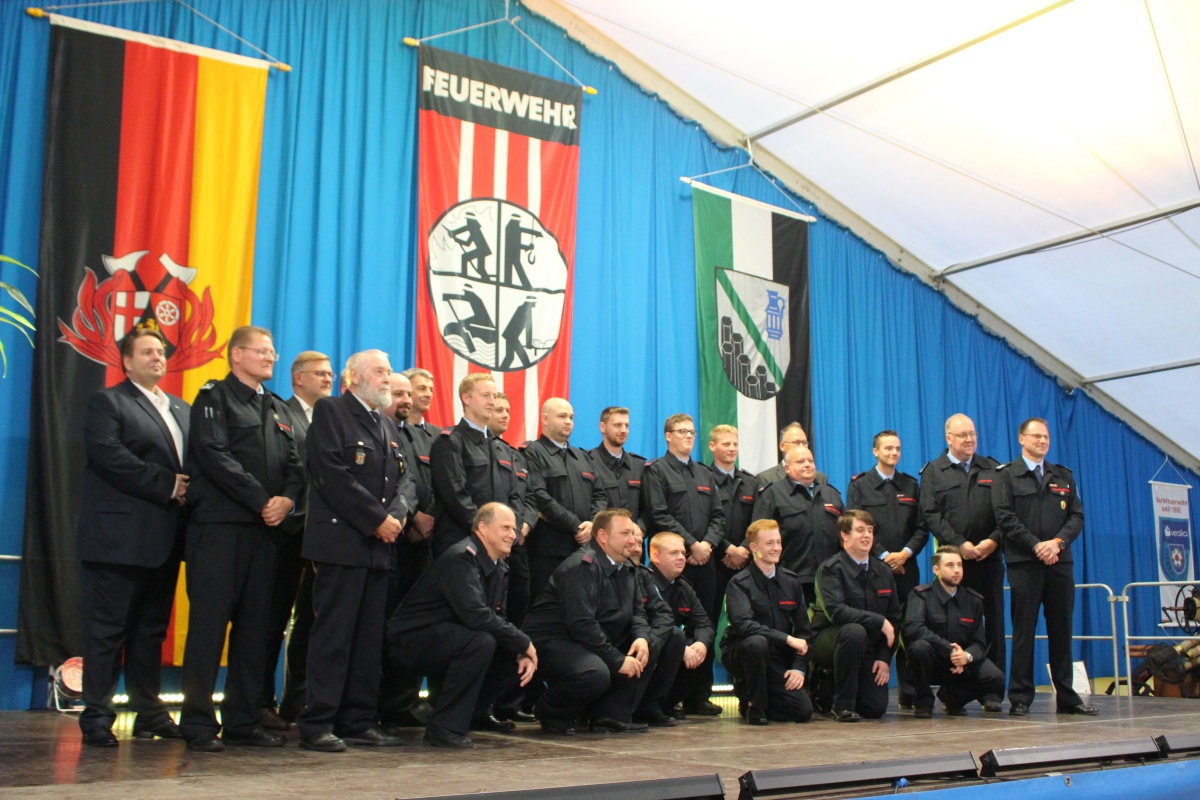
1123 599
9 631
1112 619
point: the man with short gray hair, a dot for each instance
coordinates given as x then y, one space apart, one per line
361 494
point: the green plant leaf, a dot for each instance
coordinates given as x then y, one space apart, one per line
15 325
18 263
4 358
19 296
14 315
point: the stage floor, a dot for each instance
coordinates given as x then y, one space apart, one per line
41 754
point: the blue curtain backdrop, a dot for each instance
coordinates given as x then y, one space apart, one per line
335 271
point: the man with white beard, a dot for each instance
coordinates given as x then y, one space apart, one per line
361 494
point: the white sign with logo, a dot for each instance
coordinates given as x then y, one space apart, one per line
1173 536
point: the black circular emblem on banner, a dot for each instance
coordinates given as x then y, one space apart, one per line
498 281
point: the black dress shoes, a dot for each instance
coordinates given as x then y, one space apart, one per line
955 711
165 729
205 744
707 709
437 736
557 727
991 706
373 737
846 716
489 723
1018 709
656 719
756 716
611 725
514 716
324 742
99 737
1082 710
259 737
923 712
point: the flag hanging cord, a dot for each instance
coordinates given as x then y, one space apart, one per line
414 42
274 62
1167 463
750 153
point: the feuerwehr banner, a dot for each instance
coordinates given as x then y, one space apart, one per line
1173 535
499 176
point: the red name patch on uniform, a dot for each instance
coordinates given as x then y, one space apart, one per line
635 483
967 620
282 427
424 458
705 489
832 509
747 498
522 474
906 500
504 463
787 602
685 609
985 481
883 591
589 476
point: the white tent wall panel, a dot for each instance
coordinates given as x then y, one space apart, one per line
1164 400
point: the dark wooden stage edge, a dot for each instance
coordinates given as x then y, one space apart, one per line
41 754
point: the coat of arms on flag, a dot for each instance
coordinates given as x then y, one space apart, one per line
752 318
498 180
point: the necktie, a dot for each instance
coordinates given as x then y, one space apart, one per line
966 466
1037 471
378 425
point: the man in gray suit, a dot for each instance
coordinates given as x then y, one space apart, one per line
130 538
312 379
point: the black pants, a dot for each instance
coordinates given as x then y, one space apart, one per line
541 567
126 610
230 568
987 578
295 664
668 669
758 668
706 581
850 652
980 680
1035 585
400 689
346 650
467 664
579 682
289 566
904 584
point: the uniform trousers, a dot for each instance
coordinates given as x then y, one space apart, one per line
400 689
126 610
345 651
904 584
987 578
289 566
540 569
706 582
1052 588
471 670
295 664
979 680
579 682
848 651
668 672
758 671
230 569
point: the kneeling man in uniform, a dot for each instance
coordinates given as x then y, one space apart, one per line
945 643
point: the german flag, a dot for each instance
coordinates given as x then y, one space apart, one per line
149 200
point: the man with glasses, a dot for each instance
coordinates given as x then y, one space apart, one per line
792 435
247 481
681 496
312 379
956 500
1039 510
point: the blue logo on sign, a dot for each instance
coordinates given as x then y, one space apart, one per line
1175 548
775 306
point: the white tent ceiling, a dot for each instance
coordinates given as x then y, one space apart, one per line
1037 161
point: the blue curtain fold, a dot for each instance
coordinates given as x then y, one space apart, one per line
335 271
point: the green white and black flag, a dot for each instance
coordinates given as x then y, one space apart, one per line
753 321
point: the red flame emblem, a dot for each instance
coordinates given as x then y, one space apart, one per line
141 289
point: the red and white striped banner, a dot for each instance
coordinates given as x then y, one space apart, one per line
499 176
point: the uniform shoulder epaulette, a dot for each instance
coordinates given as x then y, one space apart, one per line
922 588
650 461
786 571
1000 466
447 431
525 444
587 558
635 455
973 592
208 386
859 475
470 549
